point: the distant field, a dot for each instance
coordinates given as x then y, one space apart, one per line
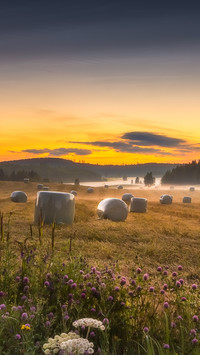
165 235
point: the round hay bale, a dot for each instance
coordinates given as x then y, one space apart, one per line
127 198
73 192
187 199
18 196
192 188
54 207
166 199
106 186
112 208
45 188
26 180
90 190
40 186
138 205
120 187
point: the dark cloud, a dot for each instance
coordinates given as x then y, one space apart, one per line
58 152
152 139
125 147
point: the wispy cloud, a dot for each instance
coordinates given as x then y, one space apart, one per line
58 152
152 139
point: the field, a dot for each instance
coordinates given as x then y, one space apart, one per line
139 277
166 234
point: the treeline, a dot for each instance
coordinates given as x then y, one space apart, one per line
183 174
19 175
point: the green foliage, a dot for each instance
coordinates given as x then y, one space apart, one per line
149 179
183 174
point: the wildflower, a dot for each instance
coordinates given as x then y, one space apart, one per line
93 310
146 277
116 288
178 284
166 305
183 299
93 270
139 288
83 295
174 273
26 288
138 270
74 285
32 308
2 306
194 341
93 289
194 287
2 294
25 327
131 293
162 292
166 346
23 298
181 281
89 284
17 279
26 280
17 336
105 321
180 267
47 283
151 289
110 298
165 273
193 332
195 318
88 322
159 268
133 283
47 323
173 325
146 330
48 275
24 316
50 315
165 287
81 272
180 318
92 334
70 282
123 281
65 277
66 317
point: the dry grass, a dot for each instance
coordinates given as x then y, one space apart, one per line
166 235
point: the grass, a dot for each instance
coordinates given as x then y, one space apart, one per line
165 236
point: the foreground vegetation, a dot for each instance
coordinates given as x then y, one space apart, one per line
140 278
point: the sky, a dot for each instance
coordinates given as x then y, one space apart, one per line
100 81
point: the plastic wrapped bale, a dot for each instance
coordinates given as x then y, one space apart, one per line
18 196
166 199
40 186
138 205
192 188
127 198
187 199
106 186
113 209
45 188
26 180
90 190
73 192
54 207
120 187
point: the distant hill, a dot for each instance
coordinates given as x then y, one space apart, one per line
183 174
56 169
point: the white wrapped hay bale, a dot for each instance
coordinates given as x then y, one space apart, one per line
54 207
187 199
138 204
90 190
73 192
26 180
106 186
192 188
40 186
113 209
127 198
166 199
18 196
120 187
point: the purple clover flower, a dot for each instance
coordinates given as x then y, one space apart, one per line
17 336
178 284
105 321
46 283
159 268
151 289
194 341
174 273
116 288
166 305
195 318
194 286
183 299
166 346
193 332
138 270
146 277
146 330
180 268
26 280
24 316
110 298
47 324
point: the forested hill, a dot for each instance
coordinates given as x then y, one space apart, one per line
183 174
56 169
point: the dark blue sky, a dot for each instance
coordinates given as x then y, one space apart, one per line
78 27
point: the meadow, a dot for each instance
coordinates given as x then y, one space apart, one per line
139 277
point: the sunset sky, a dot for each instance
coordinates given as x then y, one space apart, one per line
100 81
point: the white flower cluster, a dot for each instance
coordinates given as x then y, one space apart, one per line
89 322
77 346
54 344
